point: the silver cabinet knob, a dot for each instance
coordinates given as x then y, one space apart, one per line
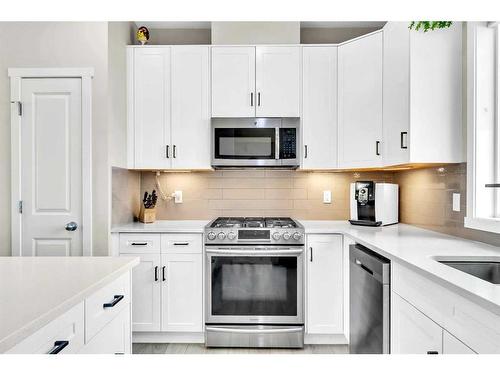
71 226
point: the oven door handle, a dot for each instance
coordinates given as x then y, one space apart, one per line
256 331
254 252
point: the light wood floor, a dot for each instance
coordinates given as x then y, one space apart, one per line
200 349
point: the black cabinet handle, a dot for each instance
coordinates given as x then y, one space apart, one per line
163 273
181 243
166 152
117 298
139 243
251 99
258 99
156 273
432 352
58 347
174 154
311 255
305 151
377 146
403 134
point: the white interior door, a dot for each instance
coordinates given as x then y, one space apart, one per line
278 81
51 166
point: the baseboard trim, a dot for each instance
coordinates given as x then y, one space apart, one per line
168 337
325 339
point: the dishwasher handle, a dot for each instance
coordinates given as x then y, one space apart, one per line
358 262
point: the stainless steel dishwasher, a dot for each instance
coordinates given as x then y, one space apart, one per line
369 296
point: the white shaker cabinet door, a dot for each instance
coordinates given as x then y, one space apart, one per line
412 332
325 285
233 82
146 293
190 107
278 81
182 292
151 107
360 102
319 107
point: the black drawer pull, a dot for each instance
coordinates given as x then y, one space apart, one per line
58 347
117 298
403 144
432 352
181 243
377 148
139 243
156 273
163 273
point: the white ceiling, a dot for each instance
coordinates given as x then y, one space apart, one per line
207 24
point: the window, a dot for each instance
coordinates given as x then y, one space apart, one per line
483 133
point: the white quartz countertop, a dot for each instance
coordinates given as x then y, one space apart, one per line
166 226
36 290
418 249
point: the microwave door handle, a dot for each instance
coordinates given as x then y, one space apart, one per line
277 147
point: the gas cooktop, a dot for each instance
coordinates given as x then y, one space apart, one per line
254 230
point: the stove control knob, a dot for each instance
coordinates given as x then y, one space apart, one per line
211 236
231 236
221 235
297 236
276 235
286 236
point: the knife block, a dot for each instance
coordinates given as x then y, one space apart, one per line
147 215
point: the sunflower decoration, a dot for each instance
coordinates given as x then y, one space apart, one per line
142 35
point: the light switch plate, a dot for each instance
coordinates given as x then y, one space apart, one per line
178 196
456 202
327 196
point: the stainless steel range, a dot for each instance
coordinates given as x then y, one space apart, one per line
254 282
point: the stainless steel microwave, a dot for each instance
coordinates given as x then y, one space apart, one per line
255 142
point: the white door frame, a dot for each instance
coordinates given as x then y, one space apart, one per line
16 75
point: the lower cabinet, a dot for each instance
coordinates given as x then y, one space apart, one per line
167 294
412 332
324 285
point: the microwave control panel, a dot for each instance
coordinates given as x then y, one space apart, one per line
288 143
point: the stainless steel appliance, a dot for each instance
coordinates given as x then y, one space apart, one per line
254 282
255 142
369 296
374 204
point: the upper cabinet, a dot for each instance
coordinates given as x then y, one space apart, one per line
422 91
169 107
360 102
233 81
257 81
319 107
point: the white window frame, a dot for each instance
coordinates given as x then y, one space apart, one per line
472 220
16 75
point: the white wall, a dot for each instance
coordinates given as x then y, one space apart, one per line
255 32
65 44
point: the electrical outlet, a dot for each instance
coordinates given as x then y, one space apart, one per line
327 196
456 202
178 196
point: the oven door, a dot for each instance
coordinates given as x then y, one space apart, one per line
254 284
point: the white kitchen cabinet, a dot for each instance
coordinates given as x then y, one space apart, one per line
251 81
149 98
452 345
324 285
319 107
146 293
190 120
169 107
182 293
360 102
411 331
233 82
422 92
277 81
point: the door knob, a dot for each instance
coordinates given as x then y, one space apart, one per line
71 226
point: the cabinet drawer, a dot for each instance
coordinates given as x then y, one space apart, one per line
105 305
136 243
114 338
185 243
477 327
66 328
